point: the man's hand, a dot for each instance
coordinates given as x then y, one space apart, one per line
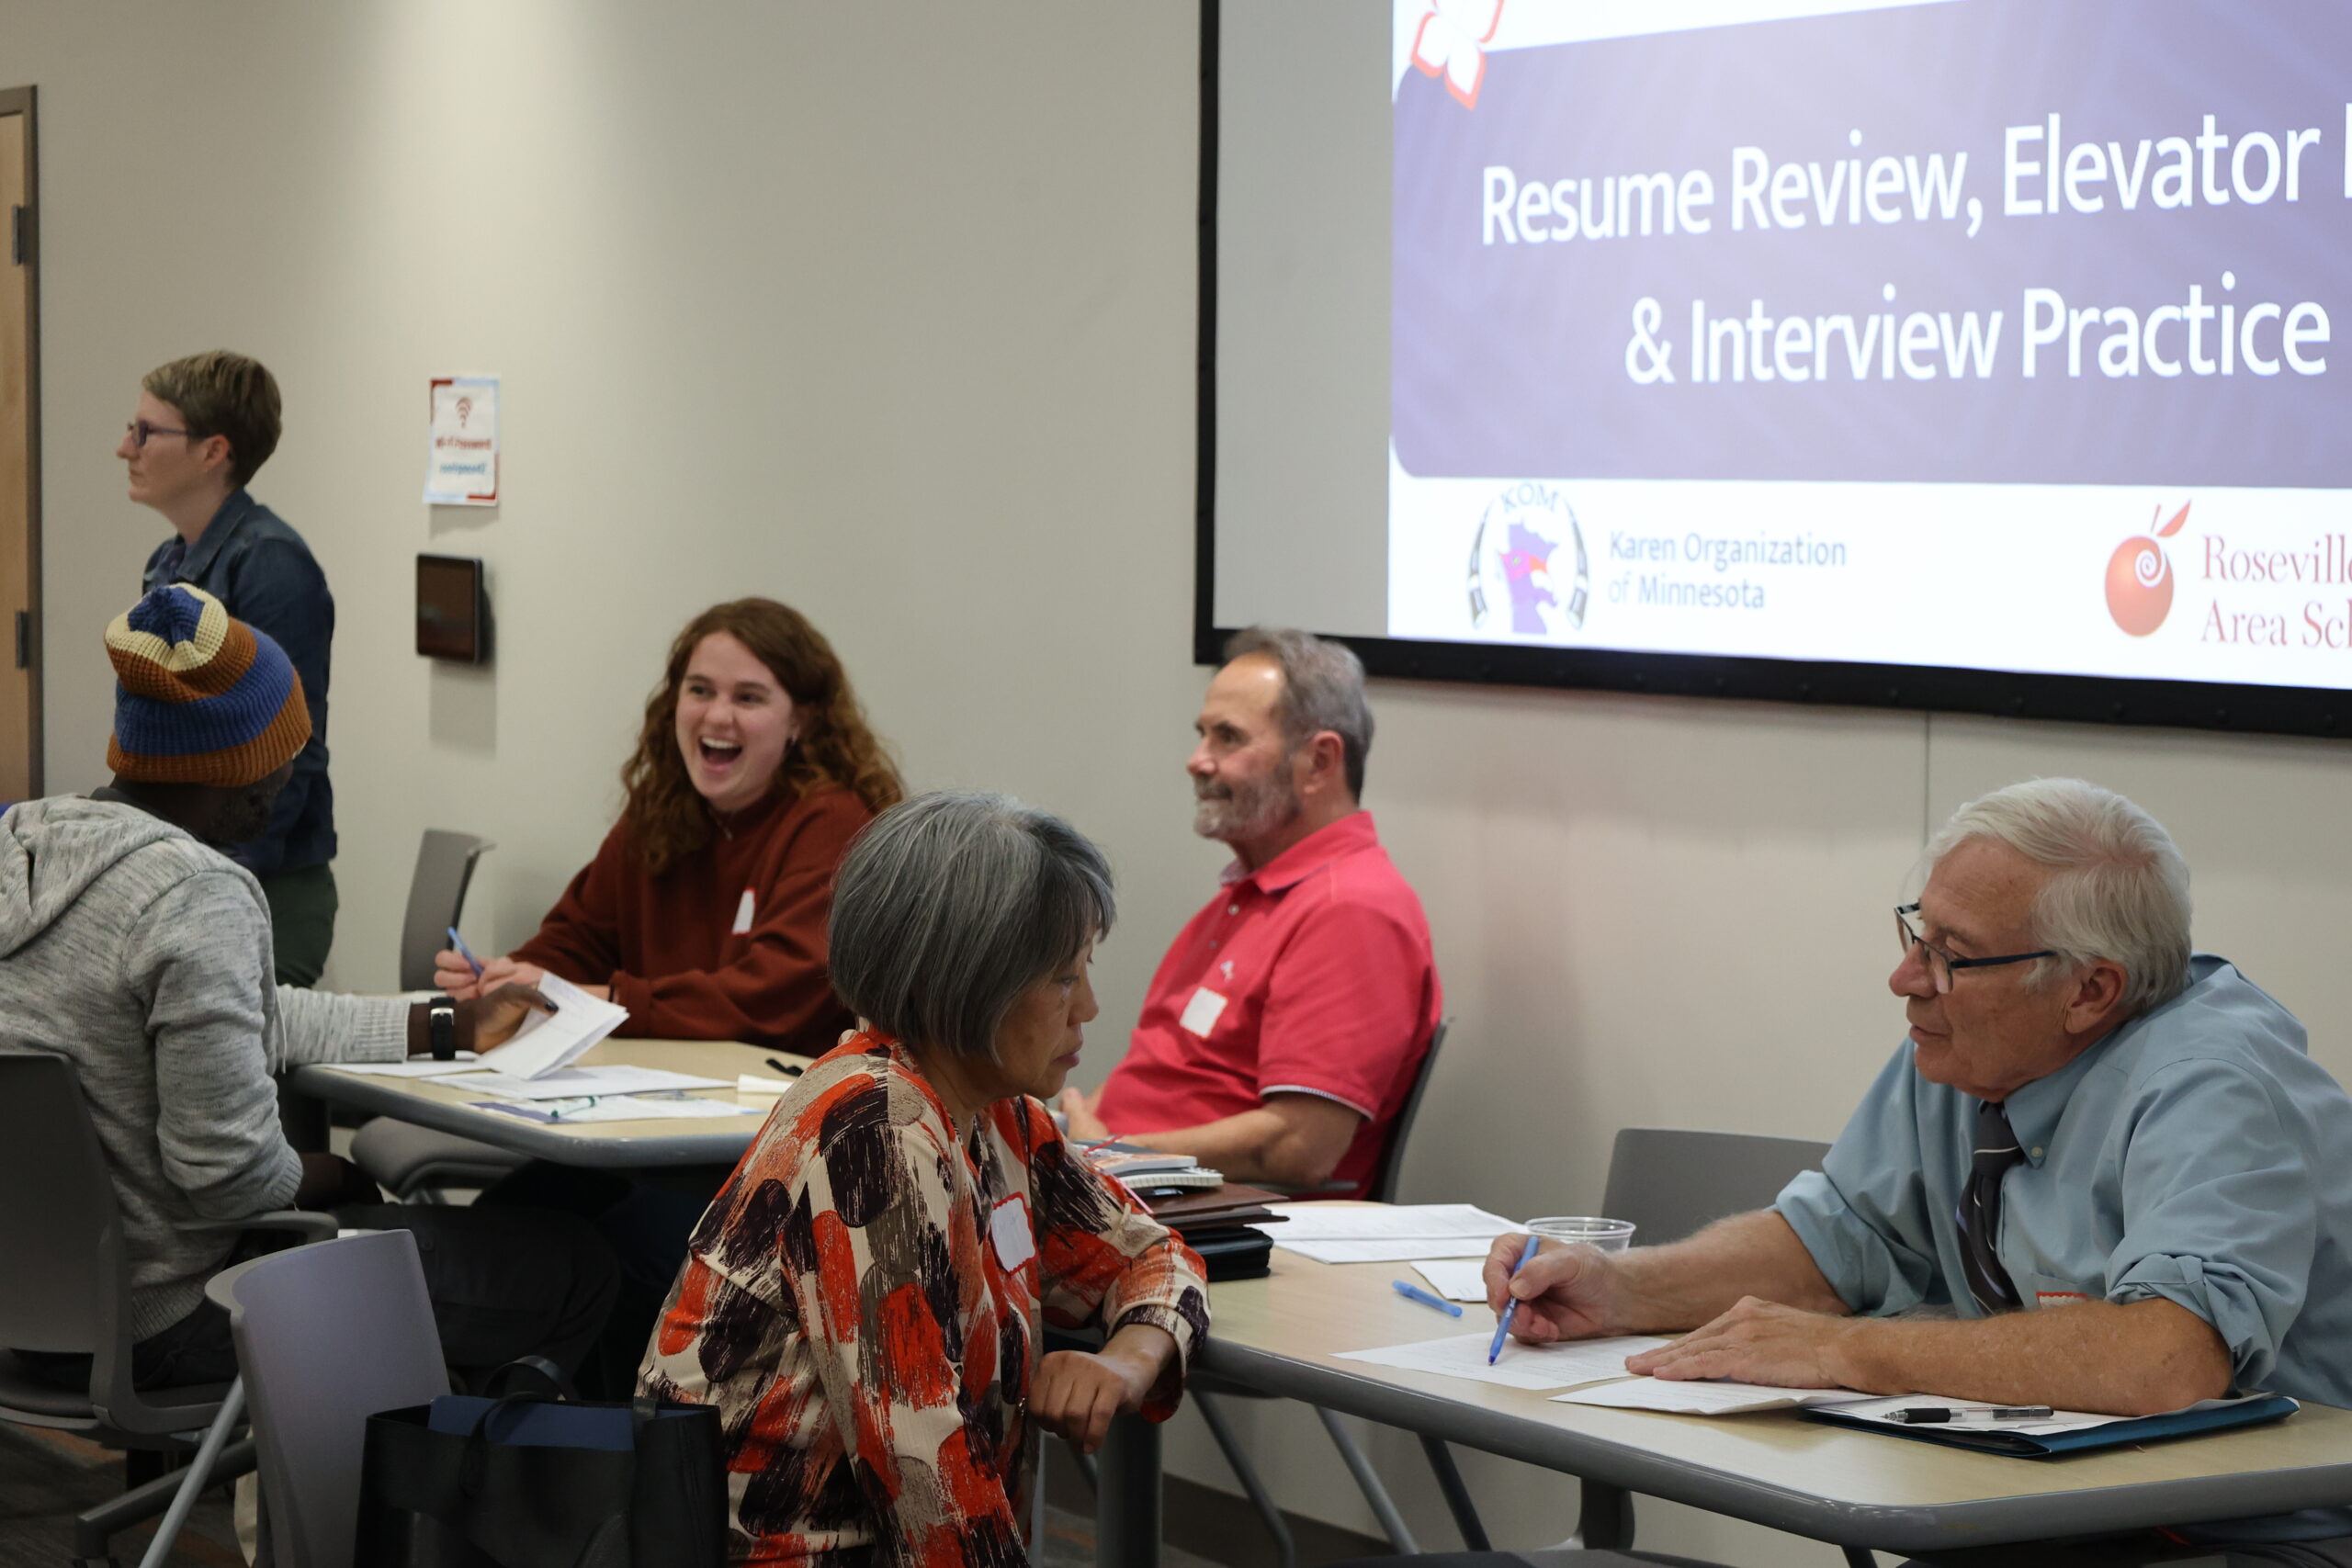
1565 1292
1076 1392
453 974
1079 1111
490 1022
1758 1341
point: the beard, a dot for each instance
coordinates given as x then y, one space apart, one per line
1233 813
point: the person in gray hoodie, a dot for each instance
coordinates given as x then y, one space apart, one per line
136 949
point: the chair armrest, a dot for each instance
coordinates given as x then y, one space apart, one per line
308 1224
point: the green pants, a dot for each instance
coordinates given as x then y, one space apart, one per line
301 922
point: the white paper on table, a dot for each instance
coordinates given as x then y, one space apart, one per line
754 1083
1455 1278
550 1041
1413 1249
428 1067
1703 1397
1534 1367
1330 1222
617 1108
569 1083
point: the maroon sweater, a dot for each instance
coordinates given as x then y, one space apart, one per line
729 943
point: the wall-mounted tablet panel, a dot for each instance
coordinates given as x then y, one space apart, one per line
452 609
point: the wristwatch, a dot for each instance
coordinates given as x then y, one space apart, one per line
441 1028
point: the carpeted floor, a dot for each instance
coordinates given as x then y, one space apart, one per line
47 1477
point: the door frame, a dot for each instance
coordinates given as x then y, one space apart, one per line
22 100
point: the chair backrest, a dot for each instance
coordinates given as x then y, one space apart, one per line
327 1336
59 1229
437 898
65 1280
1671 1182
1382 1186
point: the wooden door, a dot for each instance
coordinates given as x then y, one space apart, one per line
20 760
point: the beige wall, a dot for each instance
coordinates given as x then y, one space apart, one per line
887 309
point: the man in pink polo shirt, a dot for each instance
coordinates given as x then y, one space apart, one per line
1284 1029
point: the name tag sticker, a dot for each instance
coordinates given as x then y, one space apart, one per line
1203 1011
743 914
1014 1237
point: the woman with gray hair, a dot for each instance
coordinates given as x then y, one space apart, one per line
861 1300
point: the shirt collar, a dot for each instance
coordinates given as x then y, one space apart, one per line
2034 1110
1350 835
238 506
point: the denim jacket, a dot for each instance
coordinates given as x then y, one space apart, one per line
262 571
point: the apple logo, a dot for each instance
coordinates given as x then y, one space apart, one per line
2139 578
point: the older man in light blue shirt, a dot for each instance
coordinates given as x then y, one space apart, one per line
2084 1118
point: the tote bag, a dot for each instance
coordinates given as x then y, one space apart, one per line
527 1482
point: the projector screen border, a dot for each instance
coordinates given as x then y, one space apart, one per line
2309 711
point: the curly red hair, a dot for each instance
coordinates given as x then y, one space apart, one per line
667 818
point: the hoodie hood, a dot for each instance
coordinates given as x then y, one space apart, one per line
53 850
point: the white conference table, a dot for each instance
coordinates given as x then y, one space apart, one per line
673 1141
1281 1334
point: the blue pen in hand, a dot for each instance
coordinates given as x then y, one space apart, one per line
1406 1288
1502 1329
464 951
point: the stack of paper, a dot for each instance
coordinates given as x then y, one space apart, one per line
1537 1367
1330 1232
1703 1398
548 1042
569 1083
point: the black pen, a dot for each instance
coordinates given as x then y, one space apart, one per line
786 1068
1933 1414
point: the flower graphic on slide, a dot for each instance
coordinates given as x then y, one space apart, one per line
2139 578
1453 39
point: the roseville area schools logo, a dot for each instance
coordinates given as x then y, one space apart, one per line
1520 559
2139 578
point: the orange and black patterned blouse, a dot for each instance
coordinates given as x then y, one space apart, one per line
861 1300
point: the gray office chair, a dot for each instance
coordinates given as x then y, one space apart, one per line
416 1164
67 1288
1672 1183
436 899
297 1318
1207 1391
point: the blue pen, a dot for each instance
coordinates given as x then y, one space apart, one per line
1405 1288
1511 1306
464 951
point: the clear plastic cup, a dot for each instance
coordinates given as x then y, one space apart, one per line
1609 1235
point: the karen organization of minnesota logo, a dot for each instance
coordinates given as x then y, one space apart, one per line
2140 579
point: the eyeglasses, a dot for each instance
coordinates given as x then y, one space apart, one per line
140 430
1940 965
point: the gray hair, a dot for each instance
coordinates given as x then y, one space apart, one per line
2118 888
951 905
1322 689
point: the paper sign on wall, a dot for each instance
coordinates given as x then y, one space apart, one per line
461 458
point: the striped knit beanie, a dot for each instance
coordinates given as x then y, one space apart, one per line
201 699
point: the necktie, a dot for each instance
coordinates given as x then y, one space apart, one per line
1980 1210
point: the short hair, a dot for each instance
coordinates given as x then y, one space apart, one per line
221 393
1322 689
2117 887
949 906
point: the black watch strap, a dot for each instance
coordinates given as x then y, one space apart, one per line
441 1028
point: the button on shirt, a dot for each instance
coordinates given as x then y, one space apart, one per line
2197 1154
1312 975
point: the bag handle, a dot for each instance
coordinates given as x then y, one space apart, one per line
552 1383
474 1467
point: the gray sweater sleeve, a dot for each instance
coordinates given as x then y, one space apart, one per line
320 1026
195 954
